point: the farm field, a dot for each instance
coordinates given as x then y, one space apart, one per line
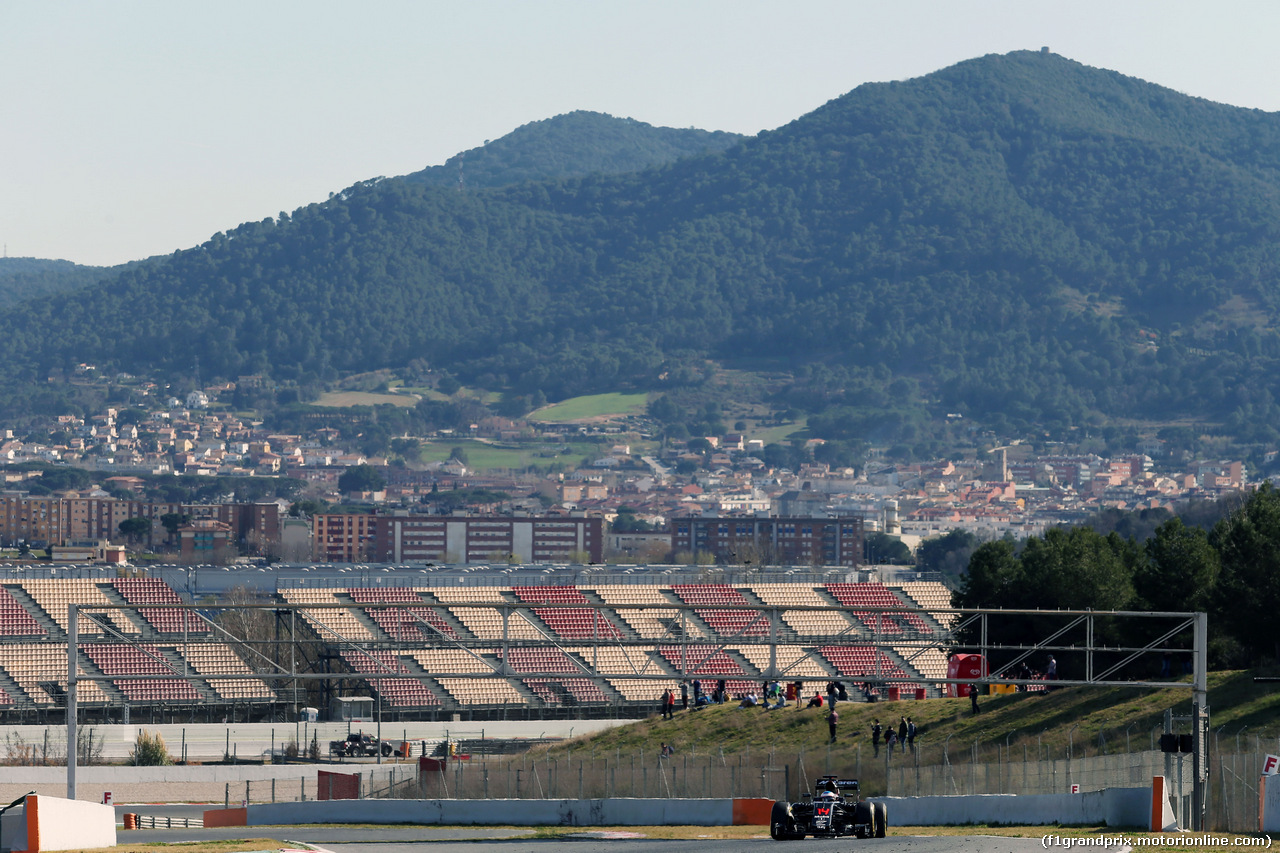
780 434
343 399
482 456
593 407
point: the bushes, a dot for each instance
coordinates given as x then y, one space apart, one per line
149 750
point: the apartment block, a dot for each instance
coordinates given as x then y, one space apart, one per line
771 541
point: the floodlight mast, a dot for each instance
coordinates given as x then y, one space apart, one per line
73 640
1200 722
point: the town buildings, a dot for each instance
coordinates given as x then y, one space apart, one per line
405 538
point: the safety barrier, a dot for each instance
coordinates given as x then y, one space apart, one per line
52 823
146 821
611 812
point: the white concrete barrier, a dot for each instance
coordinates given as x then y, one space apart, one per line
1112 807
103 774
250 741
610 812
52 823
1269 804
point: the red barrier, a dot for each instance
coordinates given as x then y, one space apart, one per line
337 786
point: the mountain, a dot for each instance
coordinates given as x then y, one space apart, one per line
27 278
1019 238
571 146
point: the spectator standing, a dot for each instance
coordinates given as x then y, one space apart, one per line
684 696
875 736
833 717
697 691
902 734
911 734
798 687
890 738
973 697
831 693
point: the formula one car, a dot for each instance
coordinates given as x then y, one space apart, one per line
359 743
827 812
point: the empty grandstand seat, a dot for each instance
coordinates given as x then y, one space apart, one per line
402 623
156 591
643 611
750 623
205 658
53 595
330 623
890 616
15 621
166 685
395 692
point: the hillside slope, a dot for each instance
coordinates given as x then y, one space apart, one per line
1032 240
570 146
31 278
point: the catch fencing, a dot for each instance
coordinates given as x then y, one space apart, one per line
930 769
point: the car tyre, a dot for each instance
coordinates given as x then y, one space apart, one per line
864 819
779 822
881 813
782 827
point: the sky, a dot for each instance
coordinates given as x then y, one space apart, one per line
135 128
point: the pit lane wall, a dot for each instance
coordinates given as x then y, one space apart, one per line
610 812
52 823
1144 807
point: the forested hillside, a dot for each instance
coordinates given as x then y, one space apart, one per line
27 278
571 146
1019 237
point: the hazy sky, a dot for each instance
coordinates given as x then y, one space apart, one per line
131 129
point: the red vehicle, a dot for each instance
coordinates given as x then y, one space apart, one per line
964 666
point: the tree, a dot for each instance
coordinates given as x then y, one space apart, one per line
361 478
626 522
1181 569
135 529
1078 569
995 577
172 521
307 507
948 555
883 548
1248 543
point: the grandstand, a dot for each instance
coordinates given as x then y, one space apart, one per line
134 652
466 645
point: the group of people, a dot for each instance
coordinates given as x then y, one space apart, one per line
904 737
667 704
772 695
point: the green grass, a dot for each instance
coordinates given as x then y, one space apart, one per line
482 456
783 433
1075 715
595 406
